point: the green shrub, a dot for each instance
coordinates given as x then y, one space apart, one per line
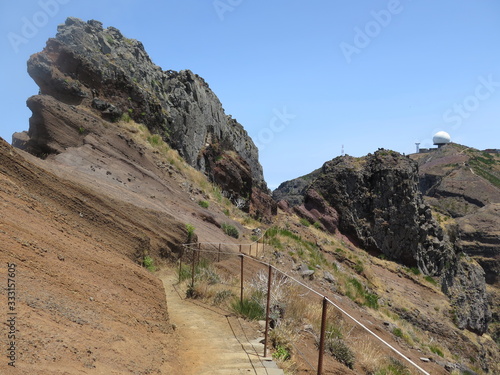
191 292
397 332
281 338
230 230
155 140
340 351
248 308
203 204
358 267
305 222
359 294
202 271
206 273
190 231
415 270
431 280
436 350
371 300
149 263
125 117
281 353
393 367
318 225
184 272
222 296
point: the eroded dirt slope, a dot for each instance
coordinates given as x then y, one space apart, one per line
83 304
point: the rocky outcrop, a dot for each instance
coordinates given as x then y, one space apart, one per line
99 72
293 191
479 236
380 208
464 284
463 183
378 205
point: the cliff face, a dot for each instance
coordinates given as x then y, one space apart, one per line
99 71
379 206
463 185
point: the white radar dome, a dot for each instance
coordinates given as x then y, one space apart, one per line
441 138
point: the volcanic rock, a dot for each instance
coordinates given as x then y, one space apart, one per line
89 72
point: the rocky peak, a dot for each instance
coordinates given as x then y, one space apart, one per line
99 70
376 202
380 207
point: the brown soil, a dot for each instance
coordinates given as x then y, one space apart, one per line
84 303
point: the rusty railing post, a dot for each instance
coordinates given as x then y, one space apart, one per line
240 248
322 337
218 255
199 252
241 281
250 249
192 267
180 262
268 308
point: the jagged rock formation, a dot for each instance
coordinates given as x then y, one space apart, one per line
97 72
380 208
464 184
293 191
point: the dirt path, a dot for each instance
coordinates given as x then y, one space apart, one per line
211 342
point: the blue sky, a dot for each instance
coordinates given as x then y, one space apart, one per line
303 77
